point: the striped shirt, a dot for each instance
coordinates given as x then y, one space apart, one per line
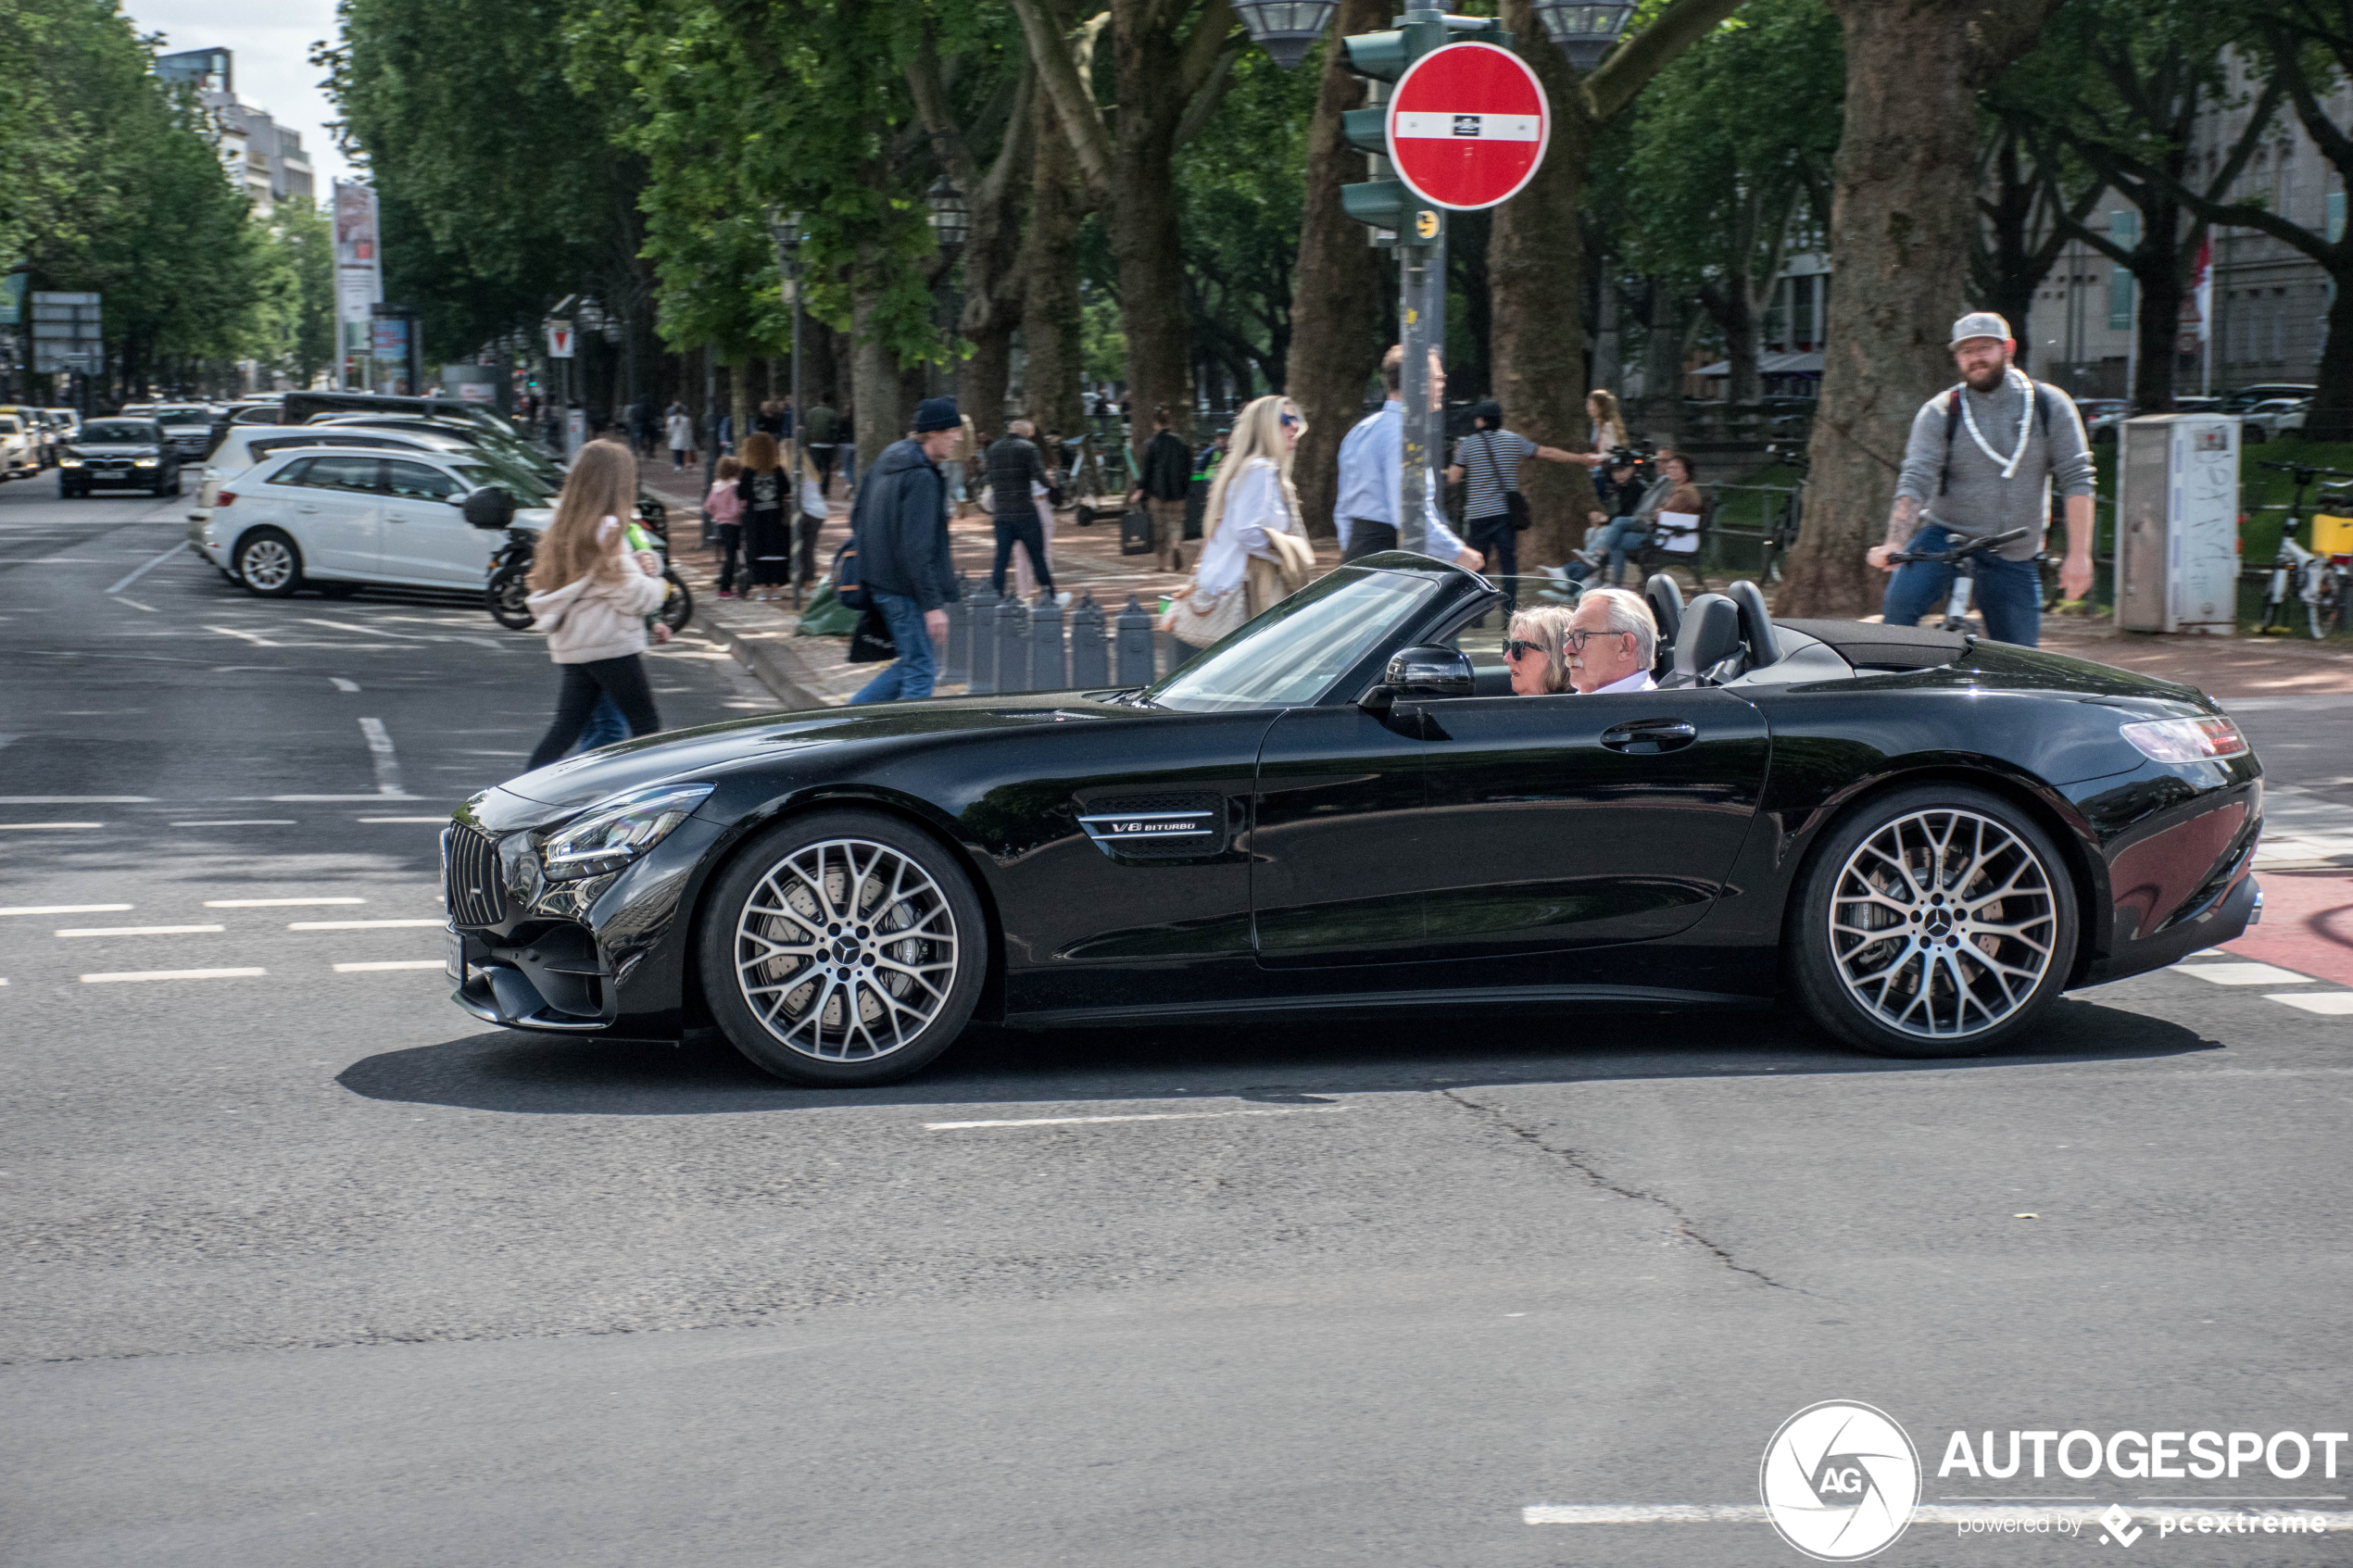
1490 460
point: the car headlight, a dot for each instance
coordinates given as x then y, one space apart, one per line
2187 740
69 463
614 832
144 462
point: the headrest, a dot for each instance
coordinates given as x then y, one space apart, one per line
1667 608
1711 634
1756 624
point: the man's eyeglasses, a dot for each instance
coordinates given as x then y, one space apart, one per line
1575 640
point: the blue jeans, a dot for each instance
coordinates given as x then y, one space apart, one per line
1623 534
2009 593
605 724
910 677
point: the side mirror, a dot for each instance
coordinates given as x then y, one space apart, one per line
490 507
1422 674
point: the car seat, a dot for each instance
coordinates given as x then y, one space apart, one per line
1708 649
1756 624
1666 600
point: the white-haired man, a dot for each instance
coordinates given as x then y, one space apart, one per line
1613 641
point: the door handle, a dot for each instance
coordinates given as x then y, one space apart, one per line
306 511
1649 736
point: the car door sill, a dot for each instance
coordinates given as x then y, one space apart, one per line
1343 1003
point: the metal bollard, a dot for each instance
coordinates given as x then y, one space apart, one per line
1135 639
983 639
960 635
1013 644
1089 653
1049 671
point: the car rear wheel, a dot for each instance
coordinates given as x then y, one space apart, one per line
1937 920
268 563
843 949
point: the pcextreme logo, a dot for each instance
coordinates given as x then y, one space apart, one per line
1840 1480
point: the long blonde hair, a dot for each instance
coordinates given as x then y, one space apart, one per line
1258 432
1610 423
602 483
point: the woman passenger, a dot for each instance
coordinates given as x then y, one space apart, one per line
1535 650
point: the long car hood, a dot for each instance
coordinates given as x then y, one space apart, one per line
751 742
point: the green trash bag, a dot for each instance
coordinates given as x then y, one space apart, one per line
826 615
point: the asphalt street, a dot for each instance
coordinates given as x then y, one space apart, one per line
306 1267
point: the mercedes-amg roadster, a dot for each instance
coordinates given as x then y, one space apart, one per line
1919 837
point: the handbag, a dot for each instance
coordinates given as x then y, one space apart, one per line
1197 627
1514 504
871 642
1136 532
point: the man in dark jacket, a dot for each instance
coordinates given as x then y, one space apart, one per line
1167 476
900 525
1014 466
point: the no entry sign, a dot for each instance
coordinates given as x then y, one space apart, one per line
1468 126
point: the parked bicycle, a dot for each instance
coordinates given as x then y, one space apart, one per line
1962 559
1781 535
2318 576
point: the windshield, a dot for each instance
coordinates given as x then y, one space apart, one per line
184 416
103 431
1291 654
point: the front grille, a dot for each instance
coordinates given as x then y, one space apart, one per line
469 877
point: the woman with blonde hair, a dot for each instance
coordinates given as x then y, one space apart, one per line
1609 428
1254 553
1536 650
591 595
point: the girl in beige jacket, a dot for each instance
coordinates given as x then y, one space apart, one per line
591 595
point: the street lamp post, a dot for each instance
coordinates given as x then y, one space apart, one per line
785 230
1285 28
1584 29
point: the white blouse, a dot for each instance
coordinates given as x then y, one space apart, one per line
1254 504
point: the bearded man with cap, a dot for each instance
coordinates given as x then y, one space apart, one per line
1982 458
900 526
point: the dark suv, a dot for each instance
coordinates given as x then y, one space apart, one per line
118 454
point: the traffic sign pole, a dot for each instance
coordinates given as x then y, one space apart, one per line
1421 315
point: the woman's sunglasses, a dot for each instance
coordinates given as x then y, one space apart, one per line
1516 649
1290 419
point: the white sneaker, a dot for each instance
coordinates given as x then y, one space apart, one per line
1062 599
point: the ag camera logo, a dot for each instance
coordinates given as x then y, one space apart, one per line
1840 1480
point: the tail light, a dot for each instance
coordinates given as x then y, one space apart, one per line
224 497
2210 739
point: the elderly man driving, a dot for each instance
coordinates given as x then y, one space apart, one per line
1611 641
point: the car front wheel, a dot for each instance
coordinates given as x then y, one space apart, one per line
268 563
843 949
1938 921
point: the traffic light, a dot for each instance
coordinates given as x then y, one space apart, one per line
1381 203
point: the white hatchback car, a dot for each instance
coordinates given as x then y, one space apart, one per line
338 519
246 446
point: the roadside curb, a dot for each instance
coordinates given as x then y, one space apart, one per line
771 658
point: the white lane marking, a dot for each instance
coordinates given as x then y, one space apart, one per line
363 631
387 765
243 822
75 799
2315 1520
63 908
2211 953
2245 974
400 818
45 827
134 930
2328 1004
172 974
142 571
135 604
357 924
1153 1116
313 799
254 637
343 685
273 903
397 963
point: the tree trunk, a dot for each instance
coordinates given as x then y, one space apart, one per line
1335 312
1141 217
1662 414
2157 318
874 372
1535 262
739 399
1901 220
1049 324
1744 340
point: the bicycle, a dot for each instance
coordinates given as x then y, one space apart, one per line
1962 559
2318 576
1781 535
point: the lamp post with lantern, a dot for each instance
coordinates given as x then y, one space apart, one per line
787 231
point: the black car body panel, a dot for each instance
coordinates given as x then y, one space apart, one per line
1138 862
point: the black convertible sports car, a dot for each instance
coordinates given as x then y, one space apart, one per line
1921 838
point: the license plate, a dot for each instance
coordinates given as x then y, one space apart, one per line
456 962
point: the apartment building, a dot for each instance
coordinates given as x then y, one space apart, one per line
260 157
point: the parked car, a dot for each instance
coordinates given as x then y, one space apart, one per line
2269 420
69 420
19 445
2101 416
516 453
2246 398
188 426
245 446
338 519
118 453
303 407
257 411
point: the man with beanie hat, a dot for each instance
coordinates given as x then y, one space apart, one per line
1982 460
900 525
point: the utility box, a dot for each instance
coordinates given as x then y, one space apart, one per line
2177 523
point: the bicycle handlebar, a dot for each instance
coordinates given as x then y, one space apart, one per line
1966 548
2313 469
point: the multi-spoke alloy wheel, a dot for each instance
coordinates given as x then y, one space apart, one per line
852 951
1937 924
269 564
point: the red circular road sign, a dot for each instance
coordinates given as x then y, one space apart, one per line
1468 126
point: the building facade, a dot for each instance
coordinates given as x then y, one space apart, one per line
261 157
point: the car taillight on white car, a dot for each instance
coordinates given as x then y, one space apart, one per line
2187 740
224 498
